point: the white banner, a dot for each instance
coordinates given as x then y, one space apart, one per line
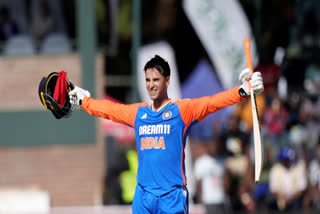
222 26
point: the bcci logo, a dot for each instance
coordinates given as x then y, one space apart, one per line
167 114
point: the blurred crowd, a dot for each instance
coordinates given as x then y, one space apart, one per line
290 179
289 113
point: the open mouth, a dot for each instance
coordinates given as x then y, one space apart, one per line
152 92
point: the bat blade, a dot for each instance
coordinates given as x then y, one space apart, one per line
255 120
256 139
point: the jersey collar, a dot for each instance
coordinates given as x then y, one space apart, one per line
161 107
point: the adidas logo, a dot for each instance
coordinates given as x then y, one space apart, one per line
144 116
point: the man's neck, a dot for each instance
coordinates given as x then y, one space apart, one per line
157 104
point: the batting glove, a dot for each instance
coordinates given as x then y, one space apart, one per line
256 82
77 94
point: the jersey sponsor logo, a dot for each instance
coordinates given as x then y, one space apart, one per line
154 129
152 143
167 114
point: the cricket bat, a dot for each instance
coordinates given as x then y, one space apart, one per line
255 119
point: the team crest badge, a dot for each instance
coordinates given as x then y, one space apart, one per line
167 114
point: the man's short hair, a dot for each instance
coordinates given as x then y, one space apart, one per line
160 64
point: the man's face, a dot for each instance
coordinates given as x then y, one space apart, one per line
156 84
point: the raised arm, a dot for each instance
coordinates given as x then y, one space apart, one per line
116 112
198 109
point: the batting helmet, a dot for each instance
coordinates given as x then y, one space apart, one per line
53 93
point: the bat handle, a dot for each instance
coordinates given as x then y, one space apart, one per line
248 56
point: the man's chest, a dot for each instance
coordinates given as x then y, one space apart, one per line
156 130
